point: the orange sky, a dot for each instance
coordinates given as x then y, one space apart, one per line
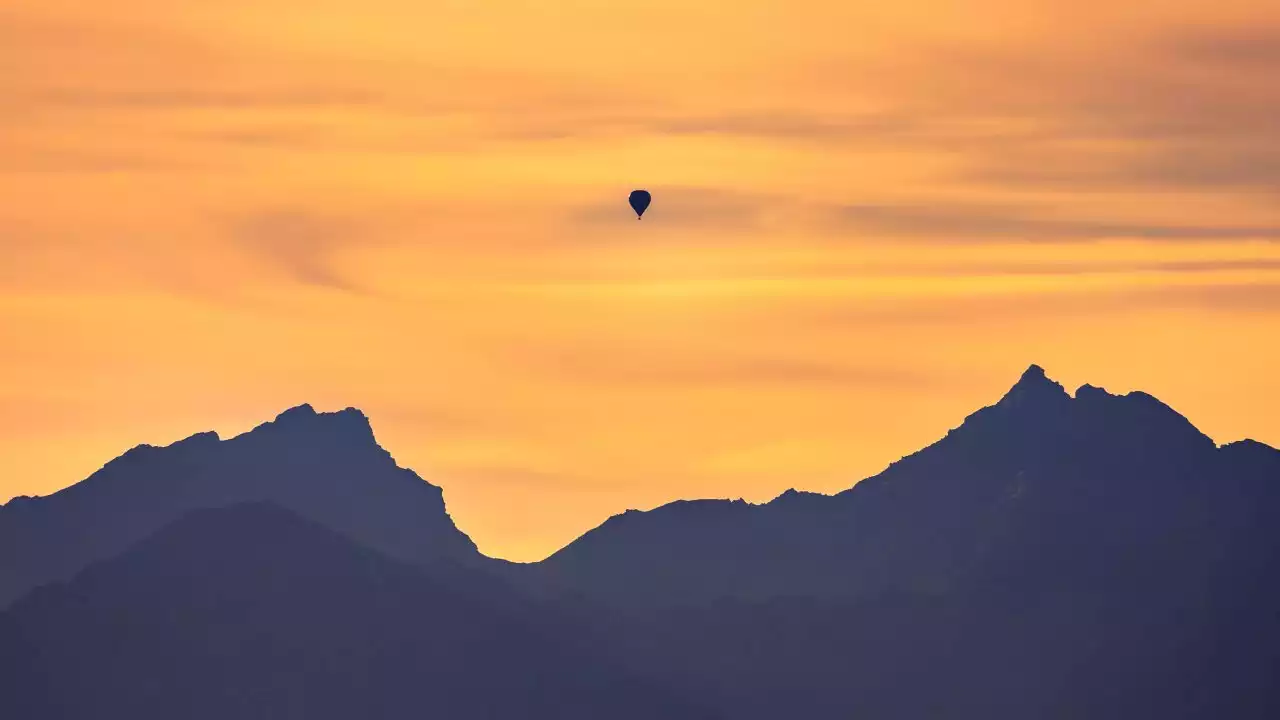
868 219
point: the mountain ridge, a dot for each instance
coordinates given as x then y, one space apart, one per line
1034 378
1025 460
327 466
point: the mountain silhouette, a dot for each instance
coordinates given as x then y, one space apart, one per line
251 611
325 466
1042 487
1053 557
1056 556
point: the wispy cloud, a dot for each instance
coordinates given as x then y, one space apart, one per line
1044 308
186 99
74 161
943 222
1182 109
1254 49
300 243
816 124
632 368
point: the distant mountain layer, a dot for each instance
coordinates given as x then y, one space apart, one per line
325 466
252 612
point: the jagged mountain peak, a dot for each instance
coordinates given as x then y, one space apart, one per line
304 418
1085 472
303 410
327 467
1034 387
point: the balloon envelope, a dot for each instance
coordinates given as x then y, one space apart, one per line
639 201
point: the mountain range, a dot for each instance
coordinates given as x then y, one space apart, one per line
1056 555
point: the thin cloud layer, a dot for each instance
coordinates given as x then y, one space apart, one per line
1188 109
303 244
943 222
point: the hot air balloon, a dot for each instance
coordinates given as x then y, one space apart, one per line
639 200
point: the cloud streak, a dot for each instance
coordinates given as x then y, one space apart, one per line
1186 109
620 367
202 99
300 243
945 222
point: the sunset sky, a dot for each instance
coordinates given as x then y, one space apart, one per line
868 219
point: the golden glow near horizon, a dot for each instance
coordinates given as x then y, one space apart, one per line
867 221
